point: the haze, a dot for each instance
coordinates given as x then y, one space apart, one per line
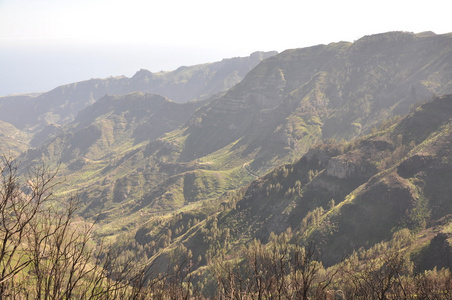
45 43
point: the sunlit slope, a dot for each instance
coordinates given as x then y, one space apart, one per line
339 196
285 105
35 112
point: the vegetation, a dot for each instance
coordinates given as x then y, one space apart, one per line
281 270
46 253
304 181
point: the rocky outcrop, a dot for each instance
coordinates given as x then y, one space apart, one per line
341 169
321 155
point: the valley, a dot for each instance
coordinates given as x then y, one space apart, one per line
342 149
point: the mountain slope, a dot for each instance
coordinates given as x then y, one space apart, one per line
12 140
342 90
341 197
104 134
62 104
196 82
286 104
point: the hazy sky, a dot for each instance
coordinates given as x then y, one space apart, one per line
46 43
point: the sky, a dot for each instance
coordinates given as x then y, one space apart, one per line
47 43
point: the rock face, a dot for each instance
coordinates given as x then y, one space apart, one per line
320 156
343 169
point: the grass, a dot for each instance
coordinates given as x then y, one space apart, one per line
209 185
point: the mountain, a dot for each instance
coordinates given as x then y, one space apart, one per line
344 146
12 140
340 90
105 134
197 82
342 197
284 106
61 105
394 179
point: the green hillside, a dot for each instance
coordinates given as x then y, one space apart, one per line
342 90
87 150
338 155
12 140
340 197
142 161
61 105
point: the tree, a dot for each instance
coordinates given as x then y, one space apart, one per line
380 277
277 270
20 204
45 254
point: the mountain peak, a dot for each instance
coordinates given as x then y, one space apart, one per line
426 33
398 36
261 55
142 73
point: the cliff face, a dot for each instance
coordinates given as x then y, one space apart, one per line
343 169
320 156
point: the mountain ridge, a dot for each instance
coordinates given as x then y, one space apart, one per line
344 146
60 105
340 197
286 104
